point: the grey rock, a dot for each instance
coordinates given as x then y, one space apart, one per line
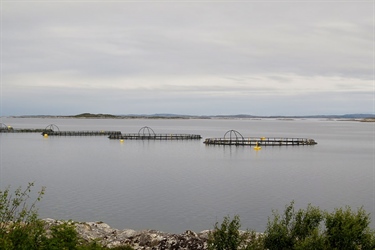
139 240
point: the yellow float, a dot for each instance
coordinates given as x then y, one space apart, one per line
257 147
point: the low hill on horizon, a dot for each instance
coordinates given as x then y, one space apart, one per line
181 116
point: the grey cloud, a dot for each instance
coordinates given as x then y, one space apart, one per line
191 38
234 41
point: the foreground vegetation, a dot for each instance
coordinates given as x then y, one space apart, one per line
21 229
310 228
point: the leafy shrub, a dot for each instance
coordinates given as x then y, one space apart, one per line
19 225
14 207
254 241
304 229
227 236
20 235
63 236
20 228
292 228
346 229
343 229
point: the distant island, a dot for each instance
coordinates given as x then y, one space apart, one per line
89 115
355 117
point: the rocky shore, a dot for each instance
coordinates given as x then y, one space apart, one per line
145 239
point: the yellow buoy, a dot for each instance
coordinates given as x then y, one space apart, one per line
121 140
45 135
257 147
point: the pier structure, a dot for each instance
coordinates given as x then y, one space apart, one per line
233 137
147 133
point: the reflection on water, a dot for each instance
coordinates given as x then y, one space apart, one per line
177 185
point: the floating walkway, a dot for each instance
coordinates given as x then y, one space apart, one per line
147 133
26 130
80 133
233 137
53 130
9 129
155 137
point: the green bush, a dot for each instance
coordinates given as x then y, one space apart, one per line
63 236
346 229
291 229
20 228
15 208
304 229
22 236
227 236
343 229
254 241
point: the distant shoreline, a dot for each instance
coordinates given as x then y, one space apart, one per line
346 117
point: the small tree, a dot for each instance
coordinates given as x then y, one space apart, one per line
291 229
19 224
346 229
227 236
255 241
15 208
62 236
21 229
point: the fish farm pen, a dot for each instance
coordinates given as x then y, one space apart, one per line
147 133
80 133
155 137
233 137
53 130
26 130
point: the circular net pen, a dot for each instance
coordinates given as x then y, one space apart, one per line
147 133
233 137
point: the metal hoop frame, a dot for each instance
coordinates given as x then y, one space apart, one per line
233 135
146 131
3 126
52 127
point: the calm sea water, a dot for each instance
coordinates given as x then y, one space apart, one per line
173 186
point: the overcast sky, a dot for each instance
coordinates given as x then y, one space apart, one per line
187 57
